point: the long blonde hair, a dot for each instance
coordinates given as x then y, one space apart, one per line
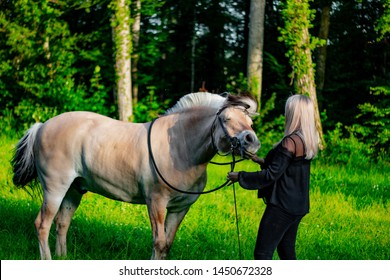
299 113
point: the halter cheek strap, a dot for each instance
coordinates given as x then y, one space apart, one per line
234 142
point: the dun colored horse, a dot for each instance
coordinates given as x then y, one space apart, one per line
77 152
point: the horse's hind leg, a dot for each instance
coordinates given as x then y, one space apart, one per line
50 205
68 206
54 191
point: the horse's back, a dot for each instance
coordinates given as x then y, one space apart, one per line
99 149
70 132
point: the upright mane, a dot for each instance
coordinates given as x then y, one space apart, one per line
197 99
216 101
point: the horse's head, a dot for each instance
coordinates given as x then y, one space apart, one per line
233 126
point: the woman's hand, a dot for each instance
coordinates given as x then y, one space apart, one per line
258 160
232 176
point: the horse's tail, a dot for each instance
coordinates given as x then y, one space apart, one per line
23 161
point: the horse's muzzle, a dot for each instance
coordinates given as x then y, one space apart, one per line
249 144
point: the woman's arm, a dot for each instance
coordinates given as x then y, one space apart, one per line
268 176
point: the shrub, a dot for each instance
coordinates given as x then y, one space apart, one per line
366 141
149 107
345 150
375 123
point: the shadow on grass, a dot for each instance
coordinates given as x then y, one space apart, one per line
94 239
86 239
17 233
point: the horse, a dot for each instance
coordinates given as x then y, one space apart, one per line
78 152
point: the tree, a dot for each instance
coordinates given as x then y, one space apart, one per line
37 56
295 34
323 35
255 47
57 55
136 30
122 43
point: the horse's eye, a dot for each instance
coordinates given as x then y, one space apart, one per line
226 120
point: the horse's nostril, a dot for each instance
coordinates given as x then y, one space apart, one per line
249 138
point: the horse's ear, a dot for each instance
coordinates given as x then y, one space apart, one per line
245 100
252 101
224 94
235 100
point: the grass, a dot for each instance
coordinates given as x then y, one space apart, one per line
349 219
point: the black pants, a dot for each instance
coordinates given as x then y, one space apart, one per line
277 229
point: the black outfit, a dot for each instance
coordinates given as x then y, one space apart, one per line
286 173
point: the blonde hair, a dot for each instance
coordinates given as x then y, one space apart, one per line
299 113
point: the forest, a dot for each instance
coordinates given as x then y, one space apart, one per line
58 56
63 55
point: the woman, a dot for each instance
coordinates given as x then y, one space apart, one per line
286 173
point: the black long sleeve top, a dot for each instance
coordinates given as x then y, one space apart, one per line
287 172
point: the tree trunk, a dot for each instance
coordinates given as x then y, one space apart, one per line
193 53
306 82
321 60
122 43
255 47
296 36
136 28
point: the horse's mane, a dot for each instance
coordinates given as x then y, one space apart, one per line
215 101
203 99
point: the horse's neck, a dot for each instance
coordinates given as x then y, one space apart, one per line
192 134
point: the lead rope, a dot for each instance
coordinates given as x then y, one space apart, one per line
232 166
236 212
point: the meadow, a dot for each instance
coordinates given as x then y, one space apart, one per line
349 219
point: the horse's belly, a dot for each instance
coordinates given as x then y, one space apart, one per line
180 203
130 194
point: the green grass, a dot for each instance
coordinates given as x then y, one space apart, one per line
349 219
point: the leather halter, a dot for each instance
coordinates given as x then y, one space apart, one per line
233 141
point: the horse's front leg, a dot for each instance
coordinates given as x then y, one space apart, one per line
157 209
172 223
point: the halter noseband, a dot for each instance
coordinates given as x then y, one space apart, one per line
234 142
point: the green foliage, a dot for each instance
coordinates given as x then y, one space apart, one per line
237 84
276 72
383 23
362 143
345 150
366 141
149 107
298 17
58 55
43 44
7 122
374 128
268 128
38 69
